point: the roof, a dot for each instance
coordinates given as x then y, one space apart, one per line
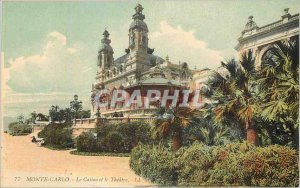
159 81
121 60
106 47
138 24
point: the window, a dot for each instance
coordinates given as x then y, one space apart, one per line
268 59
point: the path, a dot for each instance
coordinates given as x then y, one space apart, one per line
21 158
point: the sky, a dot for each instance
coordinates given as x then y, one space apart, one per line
50 48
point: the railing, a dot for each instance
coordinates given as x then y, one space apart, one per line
294 17
276 24
149 110
269 26
85 121
90 123
127 119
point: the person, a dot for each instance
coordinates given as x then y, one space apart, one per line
33 139
42 142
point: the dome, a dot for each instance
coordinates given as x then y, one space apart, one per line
106 48
138 24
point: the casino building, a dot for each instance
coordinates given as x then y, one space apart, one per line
138 68
259 39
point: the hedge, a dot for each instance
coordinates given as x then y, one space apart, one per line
57 136
115 138
100 154
19 129
155 163
236 164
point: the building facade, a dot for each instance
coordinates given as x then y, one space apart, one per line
259 39
138 69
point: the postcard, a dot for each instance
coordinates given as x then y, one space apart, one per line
121 93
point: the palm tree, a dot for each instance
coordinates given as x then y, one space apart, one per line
205 130
280 81
171 122
68 115
236 93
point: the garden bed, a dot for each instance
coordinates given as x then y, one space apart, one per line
100 154
54 147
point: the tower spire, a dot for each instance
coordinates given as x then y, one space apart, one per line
138 31
106 34
138 13
105 53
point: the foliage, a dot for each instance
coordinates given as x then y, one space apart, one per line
20 118
115 138
171 123
236 94
114 142
99 154
36 117
193 165
265 101
57 135
255 166
84 114
68 114
19 128
154 163
86 142
235 164
280 99
42 117
205 130
61 115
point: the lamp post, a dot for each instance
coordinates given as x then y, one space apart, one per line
75 106
98 114
142 97
170 90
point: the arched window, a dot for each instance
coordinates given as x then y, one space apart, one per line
268 59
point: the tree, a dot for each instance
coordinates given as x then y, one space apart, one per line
57 135
33 116
84 114
53 113
280 83
42 117
68 115
76 106
237 94
20 118
266 101
209 132
171 122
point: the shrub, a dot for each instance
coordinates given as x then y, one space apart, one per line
19 128
57 135
272 166
194 165
114 142
133 133
154 163
255 166
122 137
235 164
86 142
228 169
